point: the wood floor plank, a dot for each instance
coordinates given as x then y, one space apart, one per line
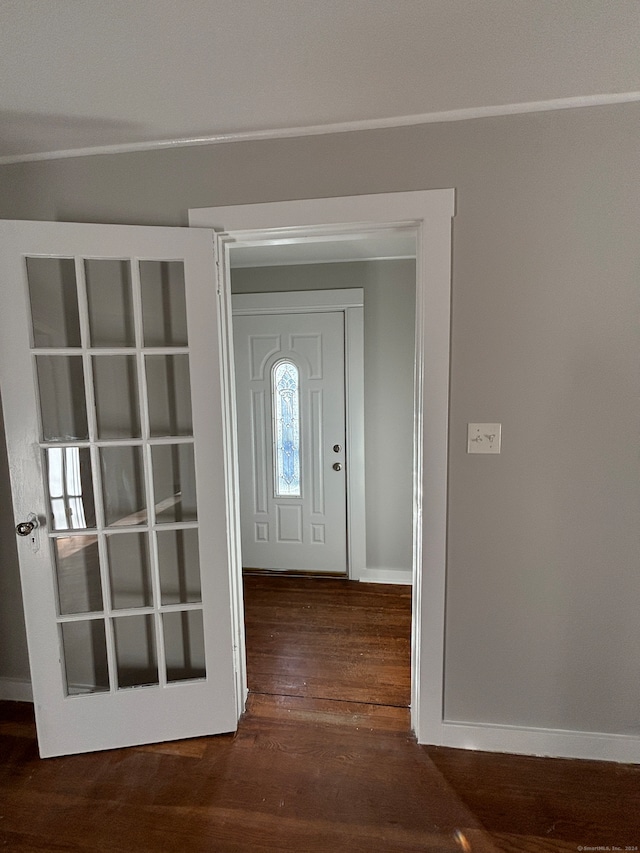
382 718
588 803
311 774
291 785
328 638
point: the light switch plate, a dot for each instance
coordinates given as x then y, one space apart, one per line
484 438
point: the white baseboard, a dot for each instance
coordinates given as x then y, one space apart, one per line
403 576
15 689
554 743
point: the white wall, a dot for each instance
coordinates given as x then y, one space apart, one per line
389 322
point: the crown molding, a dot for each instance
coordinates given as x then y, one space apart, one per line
463 114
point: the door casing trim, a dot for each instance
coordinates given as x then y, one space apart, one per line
429 212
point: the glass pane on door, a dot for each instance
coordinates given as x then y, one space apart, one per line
136 650
78 574
53 296
70 488
63 409
123 486
110 303
164 309
84 648
129 570
184 644
169 394
174 482
115 380
179 564
121 496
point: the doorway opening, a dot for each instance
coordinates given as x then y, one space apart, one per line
312 638
429 214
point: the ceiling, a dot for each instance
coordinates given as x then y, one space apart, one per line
118 74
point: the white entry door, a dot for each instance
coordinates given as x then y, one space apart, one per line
290 396
110 385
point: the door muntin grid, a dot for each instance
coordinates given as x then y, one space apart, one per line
111 364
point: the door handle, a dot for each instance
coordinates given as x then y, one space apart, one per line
25 528
337 466
30 528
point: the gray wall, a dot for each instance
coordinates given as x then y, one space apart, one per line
542 585
389 344
14 662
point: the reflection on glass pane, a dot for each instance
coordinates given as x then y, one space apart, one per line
62 401
136 650
174 482
184 645
123 485
179 564
164 314
54 302
286 409
70 488
116 390
78 574
129 570
169 394
85 657
110 303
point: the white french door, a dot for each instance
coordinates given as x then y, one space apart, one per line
290 398
110 383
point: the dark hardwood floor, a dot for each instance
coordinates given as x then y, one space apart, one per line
314 767
327 638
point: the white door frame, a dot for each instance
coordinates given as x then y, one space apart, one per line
429 212
350 303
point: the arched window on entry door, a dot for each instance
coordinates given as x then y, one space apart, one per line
286 429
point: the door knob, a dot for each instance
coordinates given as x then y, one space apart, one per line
337 466
30 528
25 528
